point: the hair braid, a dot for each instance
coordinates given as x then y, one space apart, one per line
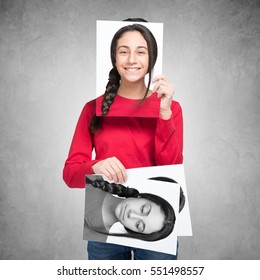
111 90
109 96
113 188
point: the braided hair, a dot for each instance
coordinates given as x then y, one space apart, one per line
123 191
114 77
113 188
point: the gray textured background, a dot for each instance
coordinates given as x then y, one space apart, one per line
47 73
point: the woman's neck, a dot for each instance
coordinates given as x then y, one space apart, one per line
132 90
108 210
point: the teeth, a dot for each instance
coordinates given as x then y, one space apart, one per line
132 69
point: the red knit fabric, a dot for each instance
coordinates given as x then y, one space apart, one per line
135 141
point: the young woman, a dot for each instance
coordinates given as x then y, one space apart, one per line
145 216
126 142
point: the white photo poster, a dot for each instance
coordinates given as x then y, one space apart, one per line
148 211
106 32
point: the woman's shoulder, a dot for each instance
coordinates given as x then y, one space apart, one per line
91 104
176 104
176 107
90 107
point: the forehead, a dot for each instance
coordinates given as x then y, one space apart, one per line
132 38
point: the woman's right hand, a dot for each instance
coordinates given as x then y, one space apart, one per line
112 168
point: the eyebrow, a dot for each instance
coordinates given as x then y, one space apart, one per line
127 47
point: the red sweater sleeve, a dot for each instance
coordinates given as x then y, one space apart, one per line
169 138
79 161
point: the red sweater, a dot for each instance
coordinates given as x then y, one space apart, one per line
135 141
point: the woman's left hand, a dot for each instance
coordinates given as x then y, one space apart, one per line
165 91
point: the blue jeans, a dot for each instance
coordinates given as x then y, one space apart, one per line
107 251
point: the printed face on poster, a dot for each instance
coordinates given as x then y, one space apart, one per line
150 219
105 32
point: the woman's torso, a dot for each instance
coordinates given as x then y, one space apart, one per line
130 139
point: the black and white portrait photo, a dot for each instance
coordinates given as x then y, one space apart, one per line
143 212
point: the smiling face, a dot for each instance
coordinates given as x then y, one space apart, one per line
132 57
140 215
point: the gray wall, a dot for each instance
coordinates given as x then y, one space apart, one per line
47 73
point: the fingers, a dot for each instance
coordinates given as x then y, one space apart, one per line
163 87
165 92
158 81
117 170
158 78
112 168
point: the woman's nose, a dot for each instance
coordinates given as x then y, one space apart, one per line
131 58
134 215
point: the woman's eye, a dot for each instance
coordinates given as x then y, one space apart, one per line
123 52
145 209
141 51
140 226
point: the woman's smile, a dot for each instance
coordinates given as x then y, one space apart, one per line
132 69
